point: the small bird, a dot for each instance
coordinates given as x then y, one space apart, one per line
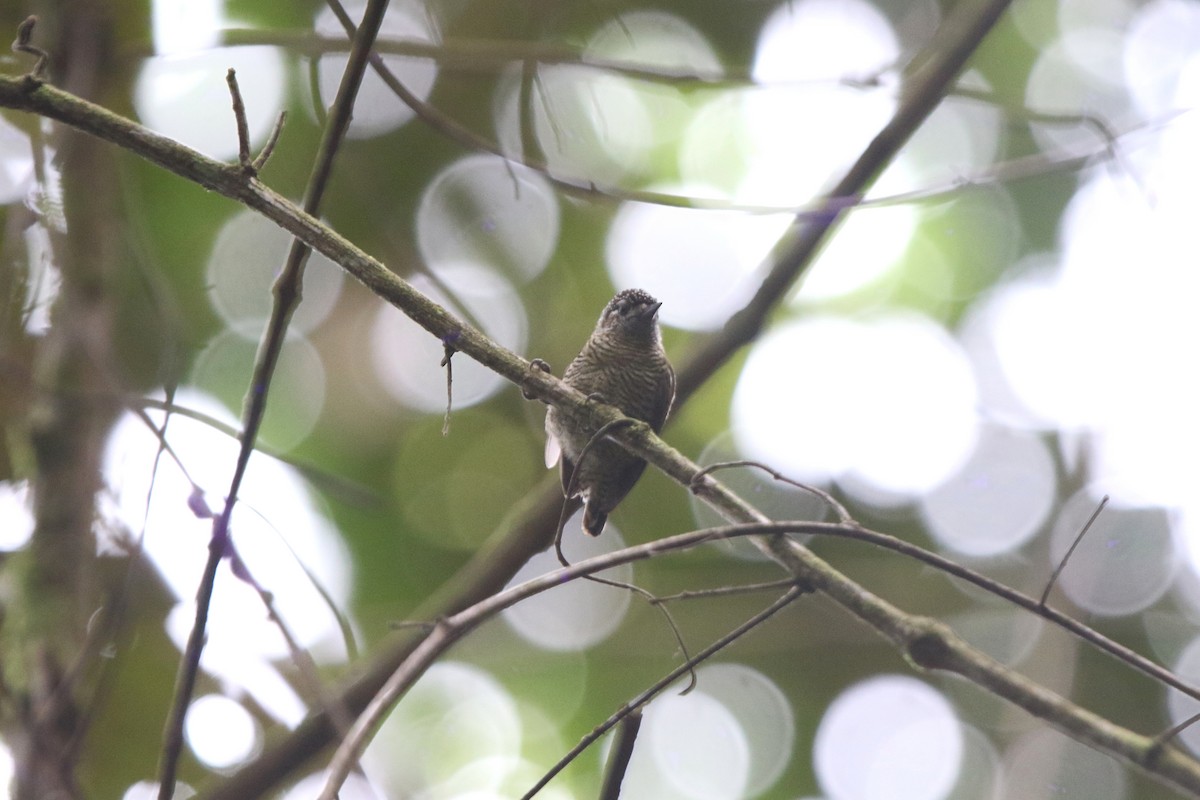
622 364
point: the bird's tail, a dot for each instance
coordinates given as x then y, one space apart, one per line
593 520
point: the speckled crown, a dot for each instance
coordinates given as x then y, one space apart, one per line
632 297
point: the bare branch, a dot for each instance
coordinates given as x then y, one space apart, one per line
619 756
22 45
1067 555
239 116
272 140
288 294
448 351
449 630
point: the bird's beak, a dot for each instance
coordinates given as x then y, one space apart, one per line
654 309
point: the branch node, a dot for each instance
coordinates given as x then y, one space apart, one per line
696 484
927 647
36 76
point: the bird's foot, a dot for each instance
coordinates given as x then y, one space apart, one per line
536 363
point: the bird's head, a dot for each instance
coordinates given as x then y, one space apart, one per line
632 312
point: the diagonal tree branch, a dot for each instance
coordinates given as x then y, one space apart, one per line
966 28
924 88
927 643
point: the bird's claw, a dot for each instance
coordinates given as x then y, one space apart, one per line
536 363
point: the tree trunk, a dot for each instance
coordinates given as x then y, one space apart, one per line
50 588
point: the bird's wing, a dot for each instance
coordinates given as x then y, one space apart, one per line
553 451
553 448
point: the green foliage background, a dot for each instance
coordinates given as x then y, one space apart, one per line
429 505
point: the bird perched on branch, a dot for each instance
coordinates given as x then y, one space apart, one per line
622 364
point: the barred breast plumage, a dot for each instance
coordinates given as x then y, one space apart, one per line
624 363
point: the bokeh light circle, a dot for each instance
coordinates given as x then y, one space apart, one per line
980 777
226 365
148 790
1005 633
242 641
700 263
220 731
600 126
16 515
999 498
16 163
1046 758
824 40
777 499
764 715
1121 252
691 747
578 614
888 403
483 209
377 109
590 126
654 39
1180 707
408 358
962 136
455 717
1160 53
1126 561
805 51
175 95
179 28
891 737
7 766
867 246
1077 77
247 257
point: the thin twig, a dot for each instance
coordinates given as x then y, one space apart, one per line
726 591
315 733
818 492
189 663
1098 640
272 140
449 630
572 489
639 701
239 116
22 45
343 623
336 486
1167 736
447 362
251 166
1067 555
307 667
287 297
